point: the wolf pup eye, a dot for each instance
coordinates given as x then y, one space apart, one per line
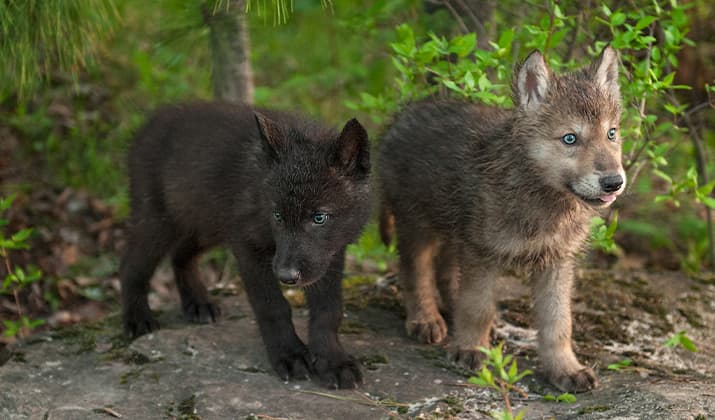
277 216
569 138
320 218
612 134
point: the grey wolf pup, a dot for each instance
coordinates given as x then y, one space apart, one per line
285 194
473 191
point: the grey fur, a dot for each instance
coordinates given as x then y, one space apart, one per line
476 190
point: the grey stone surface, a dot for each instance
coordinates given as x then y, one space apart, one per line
220 371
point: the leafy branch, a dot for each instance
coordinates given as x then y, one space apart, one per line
16 278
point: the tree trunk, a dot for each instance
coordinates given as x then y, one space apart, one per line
230 46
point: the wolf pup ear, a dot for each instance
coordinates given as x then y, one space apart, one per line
353 149
532 82
271 134
605 71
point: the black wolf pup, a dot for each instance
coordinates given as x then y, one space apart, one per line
285 194
474 190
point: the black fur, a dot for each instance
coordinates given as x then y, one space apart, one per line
208 174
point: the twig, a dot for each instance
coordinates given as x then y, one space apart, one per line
701 164
366 401
456 16
267 417
641 106
478 26
111 412
6 258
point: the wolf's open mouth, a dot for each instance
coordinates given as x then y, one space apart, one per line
602 201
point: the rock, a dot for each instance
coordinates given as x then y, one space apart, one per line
221 371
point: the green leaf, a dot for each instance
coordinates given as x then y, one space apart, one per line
618 18
706 189
621 364
521 375
566 397
451 85
681 339
612 227
513 370
21 235
477 381
644 22
463 45
487 376
687 343
708 201
6 202
662 175
469 80
506 38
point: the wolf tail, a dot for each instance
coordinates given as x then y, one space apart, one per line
387 224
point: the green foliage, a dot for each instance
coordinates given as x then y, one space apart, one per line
370 248
16 278
40 37
602 234
564 398
500 372
21 327
389 52
648 36
621 364
441 66
687 185
681 339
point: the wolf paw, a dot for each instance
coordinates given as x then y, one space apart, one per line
138 320
579 381
290 361
202 313
470 359
429 331
339 371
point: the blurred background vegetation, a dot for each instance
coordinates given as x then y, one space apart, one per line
78 77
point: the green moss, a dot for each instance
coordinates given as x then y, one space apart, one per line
185 410
126 377
455 405
594 409
351 326
371 360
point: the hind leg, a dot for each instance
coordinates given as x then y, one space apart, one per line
475 310
195 302
148 243
447 275
417 277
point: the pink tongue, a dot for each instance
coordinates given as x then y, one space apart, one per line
608 198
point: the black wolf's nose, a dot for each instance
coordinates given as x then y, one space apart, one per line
288 275
611 183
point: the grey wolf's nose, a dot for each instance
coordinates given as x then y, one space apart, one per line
611 183
288 275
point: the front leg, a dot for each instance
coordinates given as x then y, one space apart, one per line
333 366
552 306
288 355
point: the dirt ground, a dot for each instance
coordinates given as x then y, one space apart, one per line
220 371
